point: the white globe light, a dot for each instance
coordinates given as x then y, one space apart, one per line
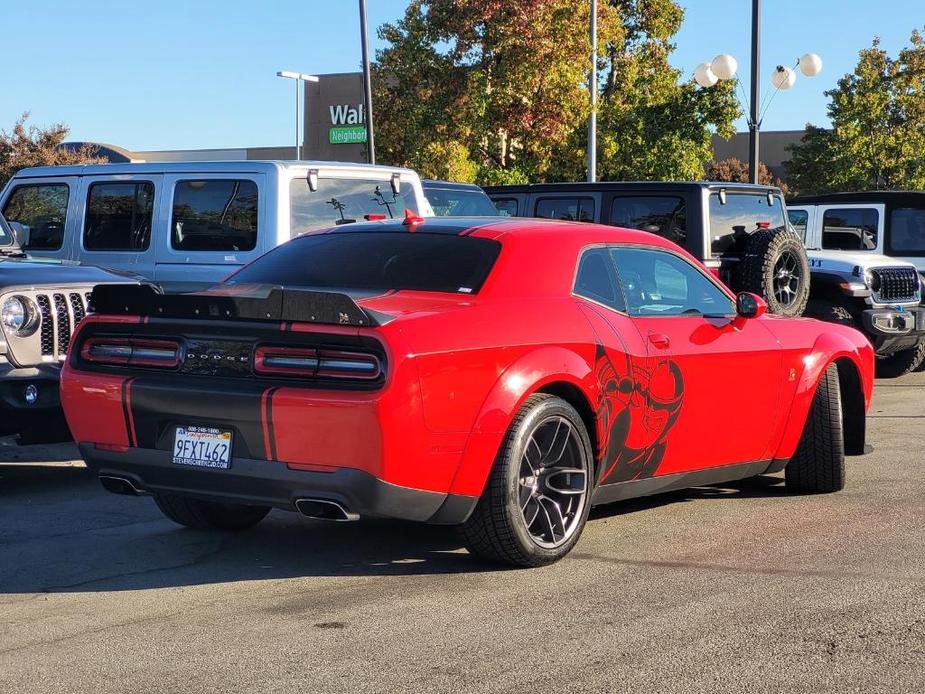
783 77
704 75
724 66
810 64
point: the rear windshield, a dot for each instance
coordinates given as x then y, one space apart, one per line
338 201
376 260
740 215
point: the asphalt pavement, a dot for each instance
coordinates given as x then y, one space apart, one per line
734 588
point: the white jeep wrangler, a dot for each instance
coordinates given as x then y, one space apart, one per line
853 282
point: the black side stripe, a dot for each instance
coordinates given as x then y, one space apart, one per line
271 434
126 413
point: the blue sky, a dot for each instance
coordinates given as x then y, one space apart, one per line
171 74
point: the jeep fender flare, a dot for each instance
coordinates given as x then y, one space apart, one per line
521 379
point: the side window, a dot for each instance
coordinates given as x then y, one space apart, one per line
572 209
214 215
119 216
798 220
907 230
596 279
739 215
658 283
42 211
506 207
664 216
850 229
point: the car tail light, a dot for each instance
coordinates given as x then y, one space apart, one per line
317 363
121 351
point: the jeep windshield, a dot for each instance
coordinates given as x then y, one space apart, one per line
379 261
337 201
6 234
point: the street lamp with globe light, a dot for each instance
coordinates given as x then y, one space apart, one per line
724 67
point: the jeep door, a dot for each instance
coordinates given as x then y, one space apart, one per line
212 225
118 214
712 379
45 214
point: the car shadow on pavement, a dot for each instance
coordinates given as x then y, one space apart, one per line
60 532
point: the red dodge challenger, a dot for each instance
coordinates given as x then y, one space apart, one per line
501 375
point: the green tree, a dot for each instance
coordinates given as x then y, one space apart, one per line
29 145
496 91
735 170
877 138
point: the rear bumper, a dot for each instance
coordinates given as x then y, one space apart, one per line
269 483
892 330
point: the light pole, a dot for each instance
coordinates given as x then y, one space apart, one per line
367 86
592 119
297 77
723 67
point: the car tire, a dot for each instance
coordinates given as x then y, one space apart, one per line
818 465
520 486
209 515
775 267
901 363
829 311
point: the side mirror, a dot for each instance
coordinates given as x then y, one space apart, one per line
750 305
19 234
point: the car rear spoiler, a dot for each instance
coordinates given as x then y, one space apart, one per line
248 302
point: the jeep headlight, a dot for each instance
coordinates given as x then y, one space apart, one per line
873 280
19 316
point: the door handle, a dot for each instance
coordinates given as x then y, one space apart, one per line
659 340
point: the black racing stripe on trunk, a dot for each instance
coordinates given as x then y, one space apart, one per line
160 405
268 417
126 411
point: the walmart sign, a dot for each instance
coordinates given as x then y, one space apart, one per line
348 125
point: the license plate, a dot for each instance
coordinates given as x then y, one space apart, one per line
202 446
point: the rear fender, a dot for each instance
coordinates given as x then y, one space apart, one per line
518 382
829 348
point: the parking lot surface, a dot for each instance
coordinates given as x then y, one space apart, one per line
732 588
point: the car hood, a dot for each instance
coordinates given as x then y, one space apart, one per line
48 272
846 261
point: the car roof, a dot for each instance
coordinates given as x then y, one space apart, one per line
605 186
874 196
448 185
230 166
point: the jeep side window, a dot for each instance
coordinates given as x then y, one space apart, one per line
907 231
596 280
798 220
850 229
664 216
659 283
572 209
507 207
214 215
742 214
119 216
41 209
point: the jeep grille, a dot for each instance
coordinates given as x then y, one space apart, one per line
59 312
896 284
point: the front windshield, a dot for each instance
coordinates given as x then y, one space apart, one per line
6 234
457 202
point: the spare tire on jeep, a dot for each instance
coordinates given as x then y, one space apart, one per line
775 267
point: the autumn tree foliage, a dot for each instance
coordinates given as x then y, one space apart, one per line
735 170
877 138
497 91
29 145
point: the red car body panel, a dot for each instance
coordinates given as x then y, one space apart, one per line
667 395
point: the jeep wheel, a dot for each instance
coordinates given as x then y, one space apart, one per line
209 515
902 362
538 495
818 465
776 268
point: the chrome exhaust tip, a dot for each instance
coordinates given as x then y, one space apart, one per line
120 485
324 509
